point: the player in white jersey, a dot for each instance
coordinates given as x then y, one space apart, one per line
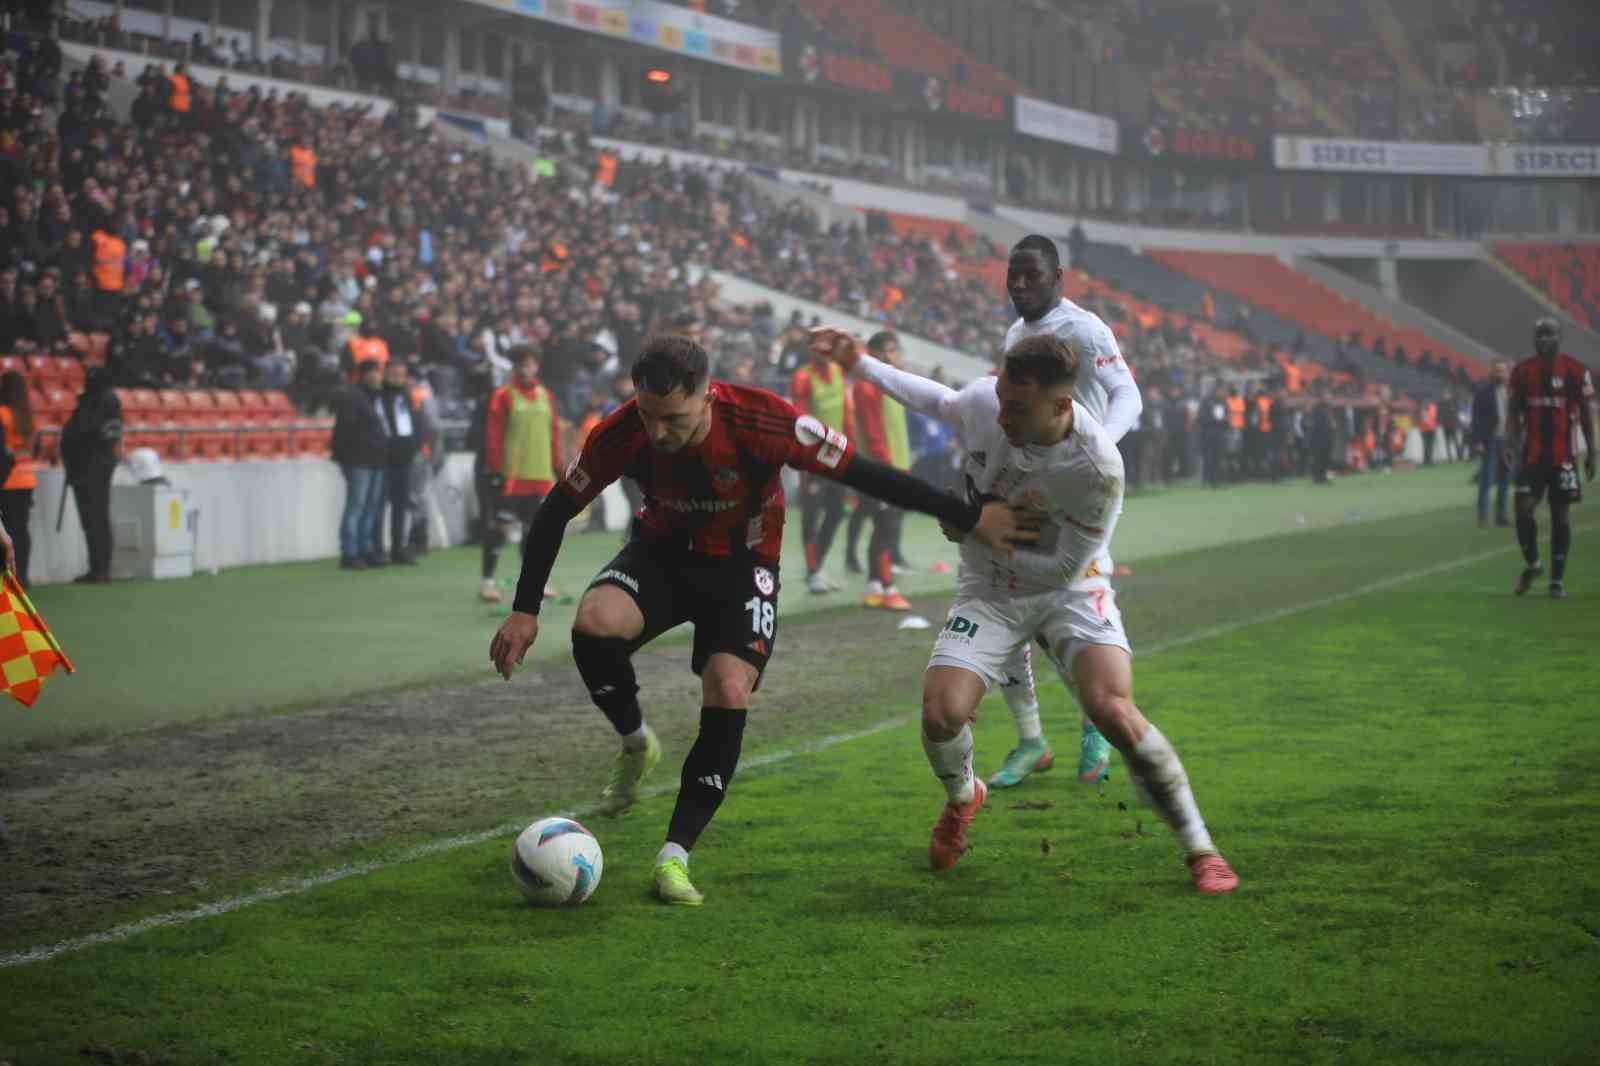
1111 396
1046 456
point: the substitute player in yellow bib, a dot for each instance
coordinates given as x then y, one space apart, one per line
522 455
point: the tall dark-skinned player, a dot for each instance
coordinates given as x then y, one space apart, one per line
708 456
1551 395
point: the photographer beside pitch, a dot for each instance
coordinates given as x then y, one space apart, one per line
708 455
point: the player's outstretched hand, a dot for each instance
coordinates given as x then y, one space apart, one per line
836 345
516 635
1001 528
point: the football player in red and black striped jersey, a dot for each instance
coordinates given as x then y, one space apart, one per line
708 456
1551 395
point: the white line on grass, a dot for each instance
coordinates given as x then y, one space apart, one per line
297 886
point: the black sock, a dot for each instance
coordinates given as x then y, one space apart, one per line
492 540
1528 537
1560 543
606 666
707 773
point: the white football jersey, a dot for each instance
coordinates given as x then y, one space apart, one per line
1075 485
1092 339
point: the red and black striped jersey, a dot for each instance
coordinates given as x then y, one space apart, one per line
1550 396
723 496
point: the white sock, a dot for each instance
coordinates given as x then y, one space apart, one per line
952 763
636 740
669 850
1024 707
874 588
1165 786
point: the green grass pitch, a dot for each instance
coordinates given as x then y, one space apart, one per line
1399 758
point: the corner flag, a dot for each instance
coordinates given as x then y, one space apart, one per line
28 650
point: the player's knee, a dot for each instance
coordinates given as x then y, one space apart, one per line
597 618
727 685
1113 712
942 713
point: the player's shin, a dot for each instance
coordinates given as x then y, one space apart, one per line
1528 536
707 773
607 670
952 763
492 539
1023 702
1160 780
1560 543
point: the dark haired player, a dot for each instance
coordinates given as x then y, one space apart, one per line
1549 392
708 456
1059 469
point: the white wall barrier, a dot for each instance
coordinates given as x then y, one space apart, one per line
255 512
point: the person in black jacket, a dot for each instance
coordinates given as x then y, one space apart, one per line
1489 410
403 423
360 447
1213 434
91 444
1320 439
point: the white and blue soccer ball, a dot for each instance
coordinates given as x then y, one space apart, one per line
556 862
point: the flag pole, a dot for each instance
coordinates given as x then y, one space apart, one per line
14 587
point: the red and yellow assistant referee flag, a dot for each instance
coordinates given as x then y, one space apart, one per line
28 650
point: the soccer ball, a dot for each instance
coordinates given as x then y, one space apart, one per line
556 862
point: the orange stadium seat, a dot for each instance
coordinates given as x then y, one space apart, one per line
281 409
251 406
41 370
175 407
70 370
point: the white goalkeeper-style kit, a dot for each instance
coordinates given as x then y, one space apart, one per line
1110 393
1059 589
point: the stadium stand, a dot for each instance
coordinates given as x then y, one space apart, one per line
1569 274
1265 282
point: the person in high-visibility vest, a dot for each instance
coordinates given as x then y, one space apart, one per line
16 495
365 346
819 389
179 100
1235 439
1428 424
522 456
880 429
303 165
605 172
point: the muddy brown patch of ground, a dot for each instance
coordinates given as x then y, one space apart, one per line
91 828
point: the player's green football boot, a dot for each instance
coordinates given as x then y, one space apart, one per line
622 791
1029 756
1094 756
672 885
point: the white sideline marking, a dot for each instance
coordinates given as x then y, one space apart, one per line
296 886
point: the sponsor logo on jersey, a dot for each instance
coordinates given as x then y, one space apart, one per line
832 449
698 506
811 432
725 477
959 628
576 477
764 581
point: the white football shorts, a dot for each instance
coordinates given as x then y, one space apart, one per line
990 637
